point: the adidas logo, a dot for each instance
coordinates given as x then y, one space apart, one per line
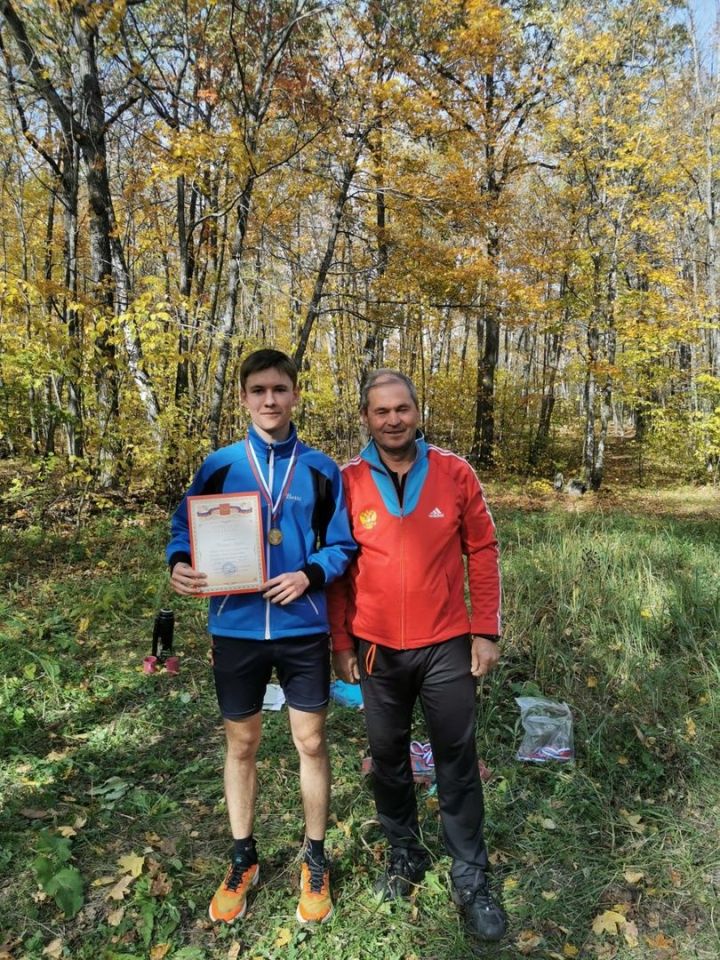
436 513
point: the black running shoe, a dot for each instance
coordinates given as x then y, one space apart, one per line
483 917
406 868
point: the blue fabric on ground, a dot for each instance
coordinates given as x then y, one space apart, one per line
346 694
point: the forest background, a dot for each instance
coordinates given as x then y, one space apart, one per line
514 202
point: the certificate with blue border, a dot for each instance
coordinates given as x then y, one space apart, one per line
226 541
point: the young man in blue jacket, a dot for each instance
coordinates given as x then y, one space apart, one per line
307 544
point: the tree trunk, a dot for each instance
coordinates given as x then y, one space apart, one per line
593 343
372 347
610 338
553 352
484 432
74 428
348 170
227 324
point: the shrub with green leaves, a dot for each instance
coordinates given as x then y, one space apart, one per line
55 875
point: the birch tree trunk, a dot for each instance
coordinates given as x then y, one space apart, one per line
348 172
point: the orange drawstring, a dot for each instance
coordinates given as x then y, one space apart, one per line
370 658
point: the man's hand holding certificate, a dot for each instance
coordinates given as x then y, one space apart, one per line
226 544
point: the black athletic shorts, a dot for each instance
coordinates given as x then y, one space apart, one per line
242 670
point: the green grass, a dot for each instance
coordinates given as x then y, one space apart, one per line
614 609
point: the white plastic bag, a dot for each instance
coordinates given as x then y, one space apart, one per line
548 729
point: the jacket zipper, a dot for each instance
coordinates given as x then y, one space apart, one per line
403 598
271 477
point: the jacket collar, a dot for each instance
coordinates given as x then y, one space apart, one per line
282 448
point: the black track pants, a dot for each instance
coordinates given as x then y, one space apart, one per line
440 676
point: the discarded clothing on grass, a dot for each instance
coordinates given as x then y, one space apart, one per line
346 694
422 765
274 697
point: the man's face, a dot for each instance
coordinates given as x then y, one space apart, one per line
391 417
269 396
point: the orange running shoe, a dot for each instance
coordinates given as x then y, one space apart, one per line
230 900
315 904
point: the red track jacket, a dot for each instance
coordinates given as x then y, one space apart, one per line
406 585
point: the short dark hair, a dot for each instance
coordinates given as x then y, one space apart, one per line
377 378
260 360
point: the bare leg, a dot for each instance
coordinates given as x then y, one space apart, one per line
308 730
243 739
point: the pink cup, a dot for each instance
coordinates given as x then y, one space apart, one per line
150 664
172 665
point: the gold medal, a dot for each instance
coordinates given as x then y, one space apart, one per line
275 536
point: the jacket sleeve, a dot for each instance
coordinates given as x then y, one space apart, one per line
338 594
336 545
337 601
479 544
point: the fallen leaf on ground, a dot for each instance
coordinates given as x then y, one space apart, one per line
161 885
606 951
633 876
67 831
283 937
30 813
103 881
608 922
497 857
527 941
634 819
54 949
233 951
659 941
159 951
549 895
630 932
120 889
570 950
549 824
114 918
131 863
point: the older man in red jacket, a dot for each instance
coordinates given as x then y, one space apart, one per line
400 627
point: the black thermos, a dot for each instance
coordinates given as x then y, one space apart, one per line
163 634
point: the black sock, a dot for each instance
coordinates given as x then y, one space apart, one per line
316 849
245 849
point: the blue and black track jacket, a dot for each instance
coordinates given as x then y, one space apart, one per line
314 524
